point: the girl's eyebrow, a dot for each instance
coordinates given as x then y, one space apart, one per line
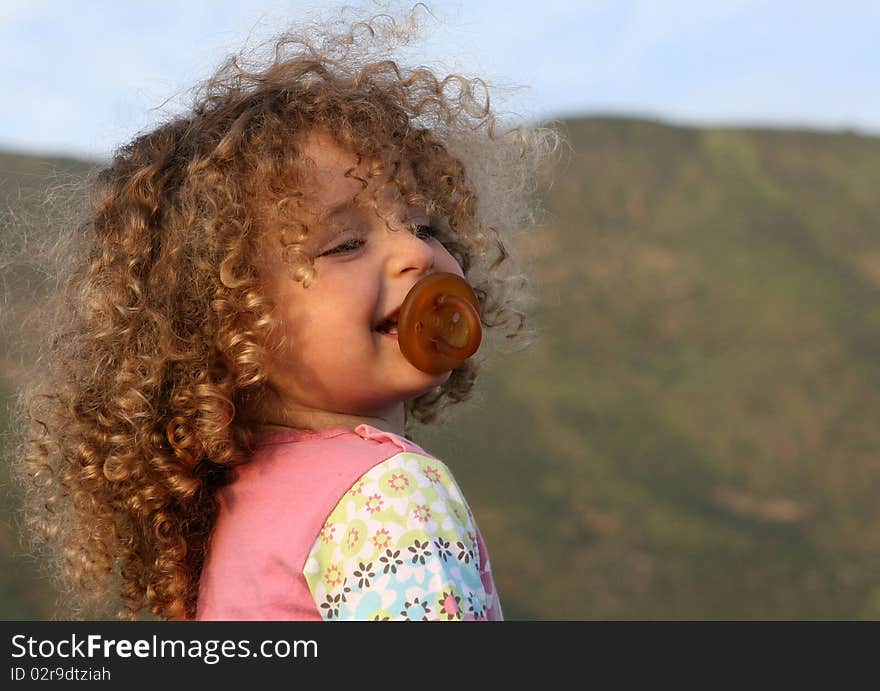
326 227
346 206
338 209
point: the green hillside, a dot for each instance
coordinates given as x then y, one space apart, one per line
694 433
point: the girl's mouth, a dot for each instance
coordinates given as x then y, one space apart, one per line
388 328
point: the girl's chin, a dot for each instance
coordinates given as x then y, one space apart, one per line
436 378
425 382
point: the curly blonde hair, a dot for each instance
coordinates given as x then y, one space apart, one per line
158 325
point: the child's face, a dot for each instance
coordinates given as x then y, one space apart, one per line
331 358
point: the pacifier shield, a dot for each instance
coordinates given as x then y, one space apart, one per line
439 326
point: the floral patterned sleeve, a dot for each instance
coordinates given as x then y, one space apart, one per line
402 544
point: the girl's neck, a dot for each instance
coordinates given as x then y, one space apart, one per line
319 419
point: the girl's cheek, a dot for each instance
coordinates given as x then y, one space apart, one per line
447 262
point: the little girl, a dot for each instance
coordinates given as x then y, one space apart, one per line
219 418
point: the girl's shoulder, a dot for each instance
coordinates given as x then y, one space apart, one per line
402 543
346 524
302 460
295 479
272 512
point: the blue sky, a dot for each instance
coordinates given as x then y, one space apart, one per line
82 77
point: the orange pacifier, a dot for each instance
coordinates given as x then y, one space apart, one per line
439 327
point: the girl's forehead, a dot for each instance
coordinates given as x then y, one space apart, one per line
329 170
334 178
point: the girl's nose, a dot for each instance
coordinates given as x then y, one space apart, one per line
410 252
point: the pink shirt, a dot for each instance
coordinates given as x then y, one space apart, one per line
306 530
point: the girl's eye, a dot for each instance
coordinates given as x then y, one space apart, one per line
349 246
423 232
